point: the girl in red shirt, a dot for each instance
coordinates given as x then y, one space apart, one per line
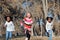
27 25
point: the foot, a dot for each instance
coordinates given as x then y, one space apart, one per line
9 38
26 39
0 35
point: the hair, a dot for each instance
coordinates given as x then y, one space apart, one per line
50 18
9 17
30 14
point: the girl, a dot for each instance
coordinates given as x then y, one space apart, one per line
9 27
49 27
27 25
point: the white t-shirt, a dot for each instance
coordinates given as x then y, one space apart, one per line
9 26
49 26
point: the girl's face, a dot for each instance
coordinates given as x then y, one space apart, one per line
8 19
28 15
49 20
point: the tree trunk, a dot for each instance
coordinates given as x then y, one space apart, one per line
45 7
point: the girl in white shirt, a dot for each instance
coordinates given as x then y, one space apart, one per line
9 28
49 27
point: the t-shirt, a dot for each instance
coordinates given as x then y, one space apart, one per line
49 26
28 23
9 26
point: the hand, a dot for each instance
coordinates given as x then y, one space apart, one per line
4 26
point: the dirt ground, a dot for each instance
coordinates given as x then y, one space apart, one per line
37 38
34 38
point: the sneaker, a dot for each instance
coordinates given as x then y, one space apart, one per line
0 35
26 39
10 39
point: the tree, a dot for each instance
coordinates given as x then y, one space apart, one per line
45 7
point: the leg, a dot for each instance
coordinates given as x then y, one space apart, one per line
7 35
0 34
27 35
50 35
47 34
10 35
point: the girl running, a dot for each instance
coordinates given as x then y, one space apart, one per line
49 27
9 27
27 25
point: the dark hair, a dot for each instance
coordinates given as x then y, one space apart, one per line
9 17
50 18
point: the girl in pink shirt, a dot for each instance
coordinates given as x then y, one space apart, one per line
27 25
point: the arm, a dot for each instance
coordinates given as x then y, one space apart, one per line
5 25
47 27
13 27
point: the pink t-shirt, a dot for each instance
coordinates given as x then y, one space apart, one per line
28 23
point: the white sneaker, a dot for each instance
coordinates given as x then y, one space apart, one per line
26 39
